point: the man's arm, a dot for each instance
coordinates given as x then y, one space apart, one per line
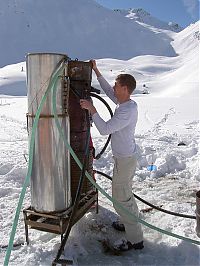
103 83
96 70
107 89
119 121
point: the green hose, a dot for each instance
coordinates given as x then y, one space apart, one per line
53 79
131 215
52 86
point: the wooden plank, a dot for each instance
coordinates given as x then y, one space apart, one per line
44 226
51 223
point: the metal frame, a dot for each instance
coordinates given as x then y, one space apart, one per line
57 222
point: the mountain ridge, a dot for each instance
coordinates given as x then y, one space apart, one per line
142 16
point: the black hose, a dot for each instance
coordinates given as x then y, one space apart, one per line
98 156
137 197
107 176
77 197
14 245
111 113
150 204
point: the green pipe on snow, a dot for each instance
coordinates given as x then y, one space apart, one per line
131 215
52 82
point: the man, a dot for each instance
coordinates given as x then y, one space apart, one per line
121 127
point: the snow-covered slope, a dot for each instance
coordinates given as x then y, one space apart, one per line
168 115
140 15
156 72
80 28
187 41
163 123
13 79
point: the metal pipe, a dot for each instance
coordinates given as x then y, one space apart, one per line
50 179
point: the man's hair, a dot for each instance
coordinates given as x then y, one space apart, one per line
127 80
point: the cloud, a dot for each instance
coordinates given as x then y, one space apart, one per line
191 7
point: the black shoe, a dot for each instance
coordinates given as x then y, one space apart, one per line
127 245
118 226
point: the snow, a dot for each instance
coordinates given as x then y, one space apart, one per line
168 115
82 30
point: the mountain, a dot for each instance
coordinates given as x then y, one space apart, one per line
167 136
80 28
159 73
141 16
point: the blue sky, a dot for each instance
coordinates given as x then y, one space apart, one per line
182 12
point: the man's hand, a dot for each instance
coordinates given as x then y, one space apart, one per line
95 68
94 65
85 104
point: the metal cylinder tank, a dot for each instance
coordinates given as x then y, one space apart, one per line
50 179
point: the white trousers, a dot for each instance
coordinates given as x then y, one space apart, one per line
123 172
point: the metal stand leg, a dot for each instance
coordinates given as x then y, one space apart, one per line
26 228
61 230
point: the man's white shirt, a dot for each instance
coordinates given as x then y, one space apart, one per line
121 126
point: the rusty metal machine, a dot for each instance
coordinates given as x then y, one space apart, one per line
80 86
198 213
60 192
55 174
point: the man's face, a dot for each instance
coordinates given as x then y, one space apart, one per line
119 90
